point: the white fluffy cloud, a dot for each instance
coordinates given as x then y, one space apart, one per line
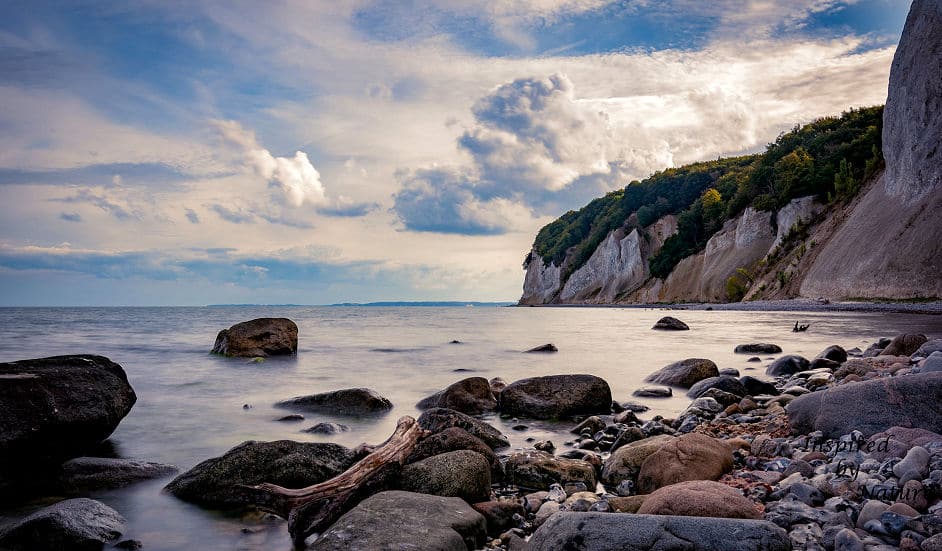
293 180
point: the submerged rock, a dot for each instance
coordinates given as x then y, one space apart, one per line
217 482
260 338
405 520
758 348
549 347
684 373
653 392
85 474
53 409
327 428
556 396
472 396
437 420
609 532
671 324
74 524
348 401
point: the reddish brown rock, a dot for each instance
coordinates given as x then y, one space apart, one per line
690 457
699 498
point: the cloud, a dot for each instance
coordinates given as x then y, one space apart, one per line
106 200
294 180
192 216
70 216
235 215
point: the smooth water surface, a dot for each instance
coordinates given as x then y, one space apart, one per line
191 404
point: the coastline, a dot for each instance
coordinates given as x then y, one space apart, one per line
790 305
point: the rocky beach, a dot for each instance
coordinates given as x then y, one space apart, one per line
839 451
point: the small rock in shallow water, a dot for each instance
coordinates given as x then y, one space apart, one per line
758 348
327 428
549 347
291 418
670 323
653 392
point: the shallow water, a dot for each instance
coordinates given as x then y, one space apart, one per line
190 404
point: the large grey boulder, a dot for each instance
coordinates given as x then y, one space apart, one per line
259 337
726 383
84 474
787 365
684 373
472 396
217 482
347 401
758 348
912 401
625 532
75 524
460 473
556 396
53 409
437 420
449 440
927 348
398 520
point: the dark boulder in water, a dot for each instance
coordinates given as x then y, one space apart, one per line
74 524
472 396
671 324
756 387
449 440
684 373
904 345
327 428
556 396
218 482
54 409
260 337
758 348
834 353
653 392
725 383
459 473
348 401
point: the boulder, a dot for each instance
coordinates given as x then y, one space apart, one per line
86 474
75 524
437 420
904 345
911 401
556 396
538 470
927 348
405 520
461 473
452 439
327 428
684 373
699 498
757 387
692 456
53 409
862 366
258 338
217 482
896 441
625 462
932 363
620 532
348 401
671 324
472 396
723 382
758 348
787 365
834 353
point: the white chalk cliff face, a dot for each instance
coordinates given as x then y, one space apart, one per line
803 209
890 246
541 282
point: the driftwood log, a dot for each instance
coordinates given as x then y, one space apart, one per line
316 507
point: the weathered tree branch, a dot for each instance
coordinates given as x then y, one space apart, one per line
312 509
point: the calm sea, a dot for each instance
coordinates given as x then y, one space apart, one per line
190 404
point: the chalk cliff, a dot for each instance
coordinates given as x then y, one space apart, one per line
885 242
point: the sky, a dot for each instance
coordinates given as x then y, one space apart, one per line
163 152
